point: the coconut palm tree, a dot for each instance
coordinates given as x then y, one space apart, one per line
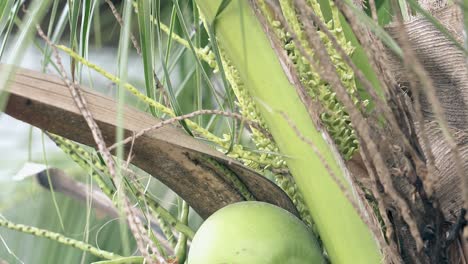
349 115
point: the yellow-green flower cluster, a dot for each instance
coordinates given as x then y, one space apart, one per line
269 150
248 110
334 117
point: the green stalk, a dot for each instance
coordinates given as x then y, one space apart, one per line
181 247
57 237
122 67
345 236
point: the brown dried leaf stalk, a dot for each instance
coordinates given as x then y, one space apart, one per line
119 19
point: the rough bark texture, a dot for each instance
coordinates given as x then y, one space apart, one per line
432 5
444 62
446 65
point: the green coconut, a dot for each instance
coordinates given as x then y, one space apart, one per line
256 233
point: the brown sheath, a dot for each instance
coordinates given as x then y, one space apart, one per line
168 154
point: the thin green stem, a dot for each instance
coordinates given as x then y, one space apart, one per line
124 260
57 237
54 199
82 158
181 247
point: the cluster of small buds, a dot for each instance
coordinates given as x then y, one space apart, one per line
269 148
254 160
268 158
248 109
209 57
335 118
290 188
